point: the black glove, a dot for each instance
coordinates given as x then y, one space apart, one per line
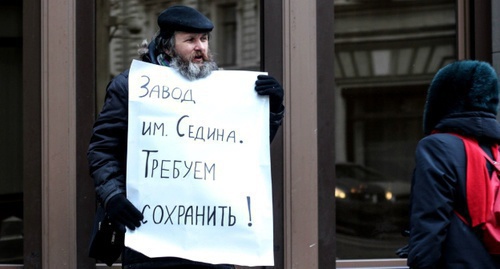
403 252
123 213
267 85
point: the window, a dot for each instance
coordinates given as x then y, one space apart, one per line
386 55
11 158
227 26
236 36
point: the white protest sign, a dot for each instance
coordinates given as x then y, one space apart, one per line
198 166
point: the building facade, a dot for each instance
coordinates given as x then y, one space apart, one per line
355 75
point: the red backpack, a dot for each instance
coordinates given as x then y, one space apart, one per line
483 199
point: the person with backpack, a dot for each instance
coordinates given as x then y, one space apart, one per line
452 178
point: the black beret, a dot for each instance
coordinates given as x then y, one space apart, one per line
183 18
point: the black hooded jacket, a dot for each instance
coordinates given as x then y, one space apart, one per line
462 99
439 239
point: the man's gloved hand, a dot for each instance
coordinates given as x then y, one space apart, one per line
267 85
121 211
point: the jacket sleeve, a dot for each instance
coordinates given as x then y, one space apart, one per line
440 165
275 121
108 145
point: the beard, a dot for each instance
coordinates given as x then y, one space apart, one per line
193 71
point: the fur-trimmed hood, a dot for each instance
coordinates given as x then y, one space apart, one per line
462 86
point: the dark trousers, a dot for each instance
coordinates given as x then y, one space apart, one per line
132 259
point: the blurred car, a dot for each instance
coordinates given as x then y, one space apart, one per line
369 203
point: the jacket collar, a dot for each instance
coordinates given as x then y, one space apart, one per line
480 125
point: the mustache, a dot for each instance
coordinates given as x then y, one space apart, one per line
199 54
206 56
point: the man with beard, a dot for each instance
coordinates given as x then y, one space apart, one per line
182 44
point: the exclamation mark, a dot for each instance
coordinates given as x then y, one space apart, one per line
249 212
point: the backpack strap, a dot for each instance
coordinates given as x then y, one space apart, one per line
477 179
494 150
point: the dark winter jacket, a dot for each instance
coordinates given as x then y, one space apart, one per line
108 146
463 99
439 239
